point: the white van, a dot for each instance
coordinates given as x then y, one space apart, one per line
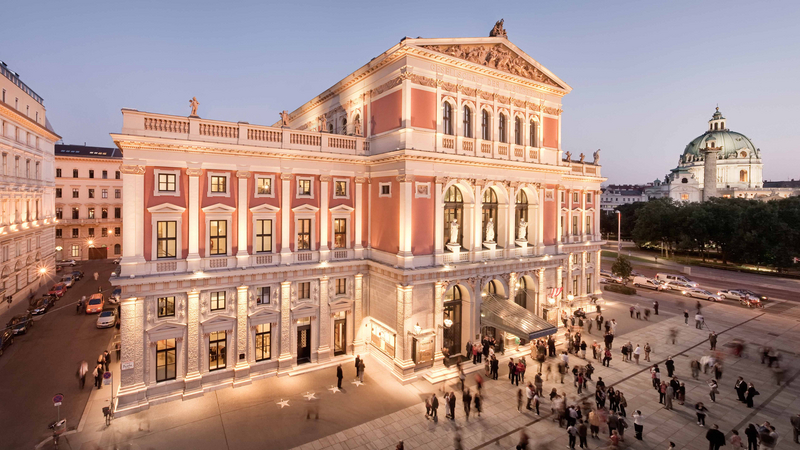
671 278
648 283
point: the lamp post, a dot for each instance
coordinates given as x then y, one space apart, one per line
619 236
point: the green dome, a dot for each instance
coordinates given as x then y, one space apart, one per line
730 141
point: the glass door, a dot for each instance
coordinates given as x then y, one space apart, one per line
340 335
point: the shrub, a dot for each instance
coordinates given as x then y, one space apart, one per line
620 289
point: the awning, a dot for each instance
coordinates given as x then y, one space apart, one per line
512 318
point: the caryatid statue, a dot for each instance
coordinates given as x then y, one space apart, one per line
522 231
490 230
194 104
454 231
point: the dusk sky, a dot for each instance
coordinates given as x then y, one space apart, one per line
646 75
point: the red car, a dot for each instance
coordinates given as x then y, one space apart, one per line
58 289
95 304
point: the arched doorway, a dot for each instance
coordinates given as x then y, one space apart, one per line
453 214
520 214
489 228
452 312
521 298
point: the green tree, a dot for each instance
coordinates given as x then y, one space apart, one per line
656 223
622 267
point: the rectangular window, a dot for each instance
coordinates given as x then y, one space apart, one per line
304 234
117 193
91 213
58 192
105 174
562 197
218 234
263 296
588 283
166 307
167 241
265 186
75 213
76 251
103 232
117 231
340 233
104 193
166 361
91 193
91 173
59 213
117 175
340 188
264 235
75 232
216 350
76 193
575 197
341 286
263 336
588 197
574 225
588 229
386 190
74 173
218 184
575 285
303 187
58 233
117 213
166 182
217 300
304 290
91 232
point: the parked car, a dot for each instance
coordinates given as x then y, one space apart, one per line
648 283
66 262
669 277
702 293
58 290
753 294
77 274
95 303
21 323
677 285
68 280
6 339
731 294
107 318
608 277
115 295
116 261
41 306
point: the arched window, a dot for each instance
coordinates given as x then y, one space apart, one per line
447 119
467 122
715 126
743 176
453 212
344 126
722 125
533 135
494 287
486 133
489 214
684 180
522 295
451 338
517 131
117 249
521 212
502 127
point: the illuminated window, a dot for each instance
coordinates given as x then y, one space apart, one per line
166 182
166 360
264 235
263 337
217 300
166 306
217 350
304 290
340 233
218 184
467 122
265 186
218 233
447 119
167 242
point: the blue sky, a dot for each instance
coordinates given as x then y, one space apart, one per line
646 75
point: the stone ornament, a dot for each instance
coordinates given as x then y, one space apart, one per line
596 157
323 123
357 126
582 157
567 156
498 30
490 230
193 103
284 118
522 230
495 57
454 231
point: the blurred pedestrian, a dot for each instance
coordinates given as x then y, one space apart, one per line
98 375
82 371
339 376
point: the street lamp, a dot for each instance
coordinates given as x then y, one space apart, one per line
619 237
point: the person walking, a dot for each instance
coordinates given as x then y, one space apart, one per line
523 440
594 423
361 368
752 437
736 440
572 432
751 392
451 402
698 321
701 412
339 376
613 423
668 396
106 359
716 438
538 383
670 365
741 388
519 400
478 403
638 424
96 276
607 357
529 393
662 392
713 389
695 366
795 421
582 428
358 362
83 369
98 375
434 407
647 350
466 399
622 403
636 353
655 307
712 339
686 317
536 403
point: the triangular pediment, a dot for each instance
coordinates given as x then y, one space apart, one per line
166 330
305 208
342 209
218 321
166 208
494 53
304 310
218 208
265 208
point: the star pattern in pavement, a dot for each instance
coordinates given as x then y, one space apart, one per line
334 389
283 403
309 396
357 383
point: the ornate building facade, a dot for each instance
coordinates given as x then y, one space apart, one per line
26 189
404 211
88 202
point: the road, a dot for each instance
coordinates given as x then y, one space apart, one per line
45 362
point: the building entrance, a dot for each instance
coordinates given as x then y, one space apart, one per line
98 253
339 337
303 344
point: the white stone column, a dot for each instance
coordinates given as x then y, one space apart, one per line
405 110
359 225
286 359
286 213
358 335
132 392
584 289
242 256
403 364
324 349
193 381
438 322
569 273
540 221
404 256
324 214
582 226
242 368
193 258
597 212
540 294
596 278
438 221
133 218
559 227
511 216
477 224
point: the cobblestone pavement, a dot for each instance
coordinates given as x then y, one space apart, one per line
500 424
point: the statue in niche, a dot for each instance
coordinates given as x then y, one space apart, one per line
490 230
522 231
323 123
357 126
596 157
194 104
498 30
284 118
454 232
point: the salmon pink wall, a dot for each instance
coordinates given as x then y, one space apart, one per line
385 226
550 132
272 201
422 213
230 200
423 109
151 200
551 217
304 201
387 112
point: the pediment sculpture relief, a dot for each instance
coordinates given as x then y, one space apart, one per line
496 57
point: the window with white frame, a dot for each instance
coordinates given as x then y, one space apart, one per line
341 286
167 239
305 187
166 224
339 233
218 237
218 184
304 234
167 182
385 190
447 118
575 198
166 306
304 290
341 188
263 341
588 197
263 238
217 350
217 300
264 186
263 297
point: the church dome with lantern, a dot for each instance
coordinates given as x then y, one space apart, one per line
733 144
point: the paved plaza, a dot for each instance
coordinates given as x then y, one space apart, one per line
381 412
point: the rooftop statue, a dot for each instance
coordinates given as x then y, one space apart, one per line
497 30
193 103
582 157
596 156
284 118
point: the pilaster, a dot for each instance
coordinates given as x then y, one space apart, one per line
358 341
324 208
324 349
193 381
193 258
242 256
286 213
404 256
438 321
540 293
132 394
359 201
438 221
286 359
242 368
596 277
540 221
584 289
403 364
132 243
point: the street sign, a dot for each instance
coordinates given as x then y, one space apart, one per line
57 399
107 378
127 365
